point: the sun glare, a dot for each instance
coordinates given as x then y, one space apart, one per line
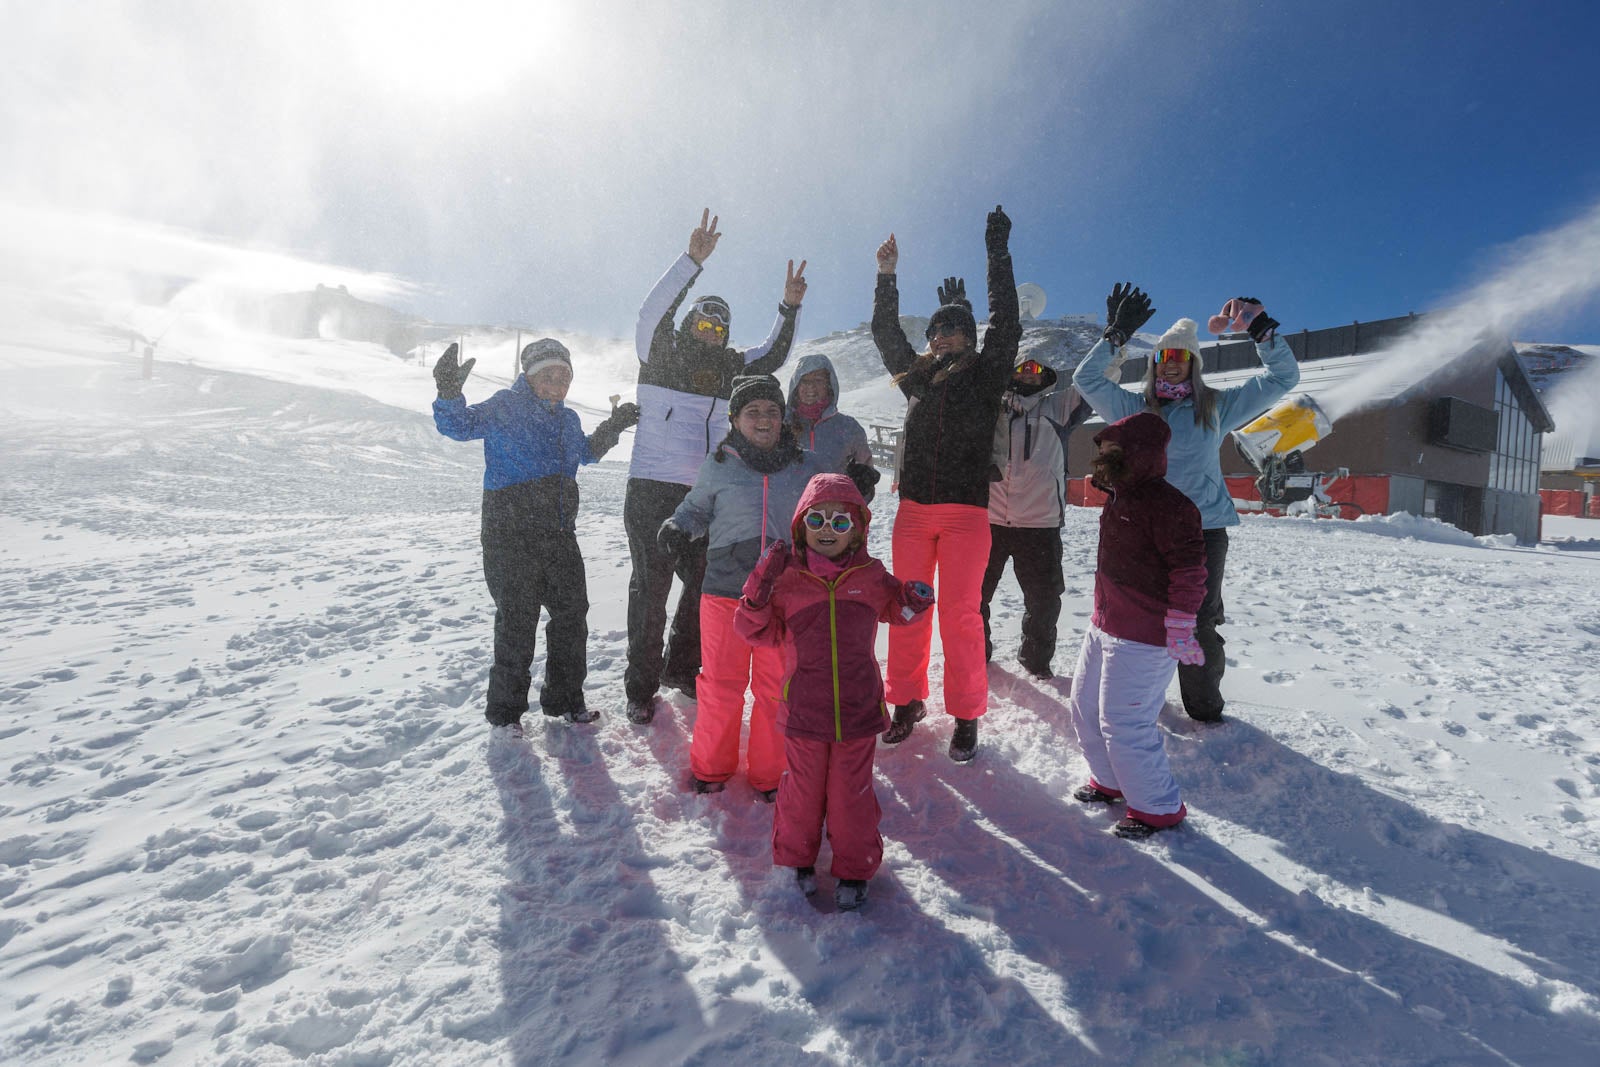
460 50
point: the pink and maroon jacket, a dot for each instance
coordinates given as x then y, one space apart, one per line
1152 554
828 629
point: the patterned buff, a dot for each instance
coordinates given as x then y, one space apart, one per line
1174 390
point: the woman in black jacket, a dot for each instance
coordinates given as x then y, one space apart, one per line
942 527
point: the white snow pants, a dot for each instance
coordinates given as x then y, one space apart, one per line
1118 689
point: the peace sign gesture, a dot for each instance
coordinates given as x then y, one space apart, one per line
794 285
703 241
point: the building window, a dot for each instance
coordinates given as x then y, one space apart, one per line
1514 467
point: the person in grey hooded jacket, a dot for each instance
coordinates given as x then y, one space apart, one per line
838 441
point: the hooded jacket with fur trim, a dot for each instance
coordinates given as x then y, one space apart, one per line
826 620
1152 555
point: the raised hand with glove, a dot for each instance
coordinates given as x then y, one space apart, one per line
450 375
954 291
996 232
1244 314
1127 309
606 435
774 561
1181 644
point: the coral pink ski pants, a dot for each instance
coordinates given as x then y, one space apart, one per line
729 667
950 541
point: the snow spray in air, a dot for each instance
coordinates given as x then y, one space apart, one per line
1544 275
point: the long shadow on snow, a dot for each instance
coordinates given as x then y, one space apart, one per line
1130 936
586 970
1545 907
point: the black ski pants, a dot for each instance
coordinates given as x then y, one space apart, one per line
647 505
528 570
1035 556
1201 683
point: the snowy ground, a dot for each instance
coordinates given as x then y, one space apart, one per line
250 812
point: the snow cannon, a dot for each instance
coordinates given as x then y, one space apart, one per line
1274 445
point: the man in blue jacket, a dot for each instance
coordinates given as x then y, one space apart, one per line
533 445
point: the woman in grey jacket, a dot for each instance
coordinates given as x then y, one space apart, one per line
742 501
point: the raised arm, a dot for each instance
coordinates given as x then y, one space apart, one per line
1281 373
893 348
1127 308
772 353
653 333
1004 335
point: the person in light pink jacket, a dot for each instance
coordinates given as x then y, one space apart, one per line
821 602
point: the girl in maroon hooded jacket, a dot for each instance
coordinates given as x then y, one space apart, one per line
821 603
1149 581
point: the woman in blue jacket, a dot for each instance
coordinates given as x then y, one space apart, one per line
533 445
1199 417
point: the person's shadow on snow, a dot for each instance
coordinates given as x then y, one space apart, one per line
1241 963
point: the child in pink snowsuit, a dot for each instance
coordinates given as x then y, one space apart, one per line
1149 580
822 603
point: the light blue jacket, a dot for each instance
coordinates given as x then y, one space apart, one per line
1194 464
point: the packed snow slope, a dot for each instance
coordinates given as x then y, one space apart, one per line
250 812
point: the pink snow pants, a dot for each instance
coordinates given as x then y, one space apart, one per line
728 667
828 782
952 540
1118 689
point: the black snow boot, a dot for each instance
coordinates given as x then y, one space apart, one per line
1092 794
641 712
964 741
806 878
906 716
683 683
850 894
1135 830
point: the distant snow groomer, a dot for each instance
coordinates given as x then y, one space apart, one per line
686 375
533 445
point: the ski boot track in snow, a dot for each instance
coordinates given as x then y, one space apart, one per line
250 811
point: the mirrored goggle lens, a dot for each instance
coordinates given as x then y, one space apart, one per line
839 522
1032 366
943 329
707 326
1174 355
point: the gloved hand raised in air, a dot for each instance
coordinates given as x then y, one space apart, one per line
1181 644
758 587
954 291
449 375
1243 314
996 231
1127 309
605 436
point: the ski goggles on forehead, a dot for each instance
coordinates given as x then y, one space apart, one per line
714 310
840 522
1173 355
1031 366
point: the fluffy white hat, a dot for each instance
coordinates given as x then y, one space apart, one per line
1182 334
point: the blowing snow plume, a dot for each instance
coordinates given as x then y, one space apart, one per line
1545 272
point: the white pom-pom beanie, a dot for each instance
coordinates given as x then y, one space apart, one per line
1181 334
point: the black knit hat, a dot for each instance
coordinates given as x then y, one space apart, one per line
750 387
959 314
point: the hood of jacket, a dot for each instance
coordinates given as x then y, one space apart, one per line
1143 438
828 487
809 365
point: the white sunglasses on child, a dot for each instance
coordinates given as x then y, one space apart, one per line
840 522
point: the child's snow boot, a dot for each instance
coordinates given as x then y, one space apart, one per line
806 878
850 894
1094 794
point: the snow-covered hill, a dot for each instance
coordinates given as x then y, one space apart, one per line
250 812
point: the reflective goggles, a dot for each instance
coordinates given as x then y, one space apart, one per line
1173 355
704 325
944 329
840 522
1031 366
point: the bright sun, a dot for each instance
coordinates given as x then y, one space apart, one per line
459 50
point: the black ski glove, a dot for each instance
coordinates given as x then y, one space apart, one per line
450 376
673 539
865 476
605 436
1261 327
996 232
1131 312
954 291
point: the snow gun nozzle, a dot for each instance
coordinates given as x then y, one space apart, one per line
1288 429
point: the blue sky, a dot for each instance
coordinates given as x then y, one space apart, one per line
541 164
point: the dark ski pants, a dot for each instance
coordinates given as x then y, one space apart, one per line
647 505
1201 684
1035 556
528 570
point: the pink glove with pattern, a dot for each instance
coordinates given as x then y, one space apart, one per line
758 587
1181 644
1235 317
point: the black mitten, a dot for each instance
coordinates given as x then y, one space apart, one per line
865 476
450 376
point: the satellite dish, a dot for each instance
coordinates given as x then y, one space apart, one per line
1030 298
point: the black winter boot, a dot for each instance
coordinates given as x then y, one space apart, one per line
906 716
964 741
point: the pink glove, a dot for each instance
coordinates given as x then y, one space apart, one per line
758 587
1236 316
1181 644
917 596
